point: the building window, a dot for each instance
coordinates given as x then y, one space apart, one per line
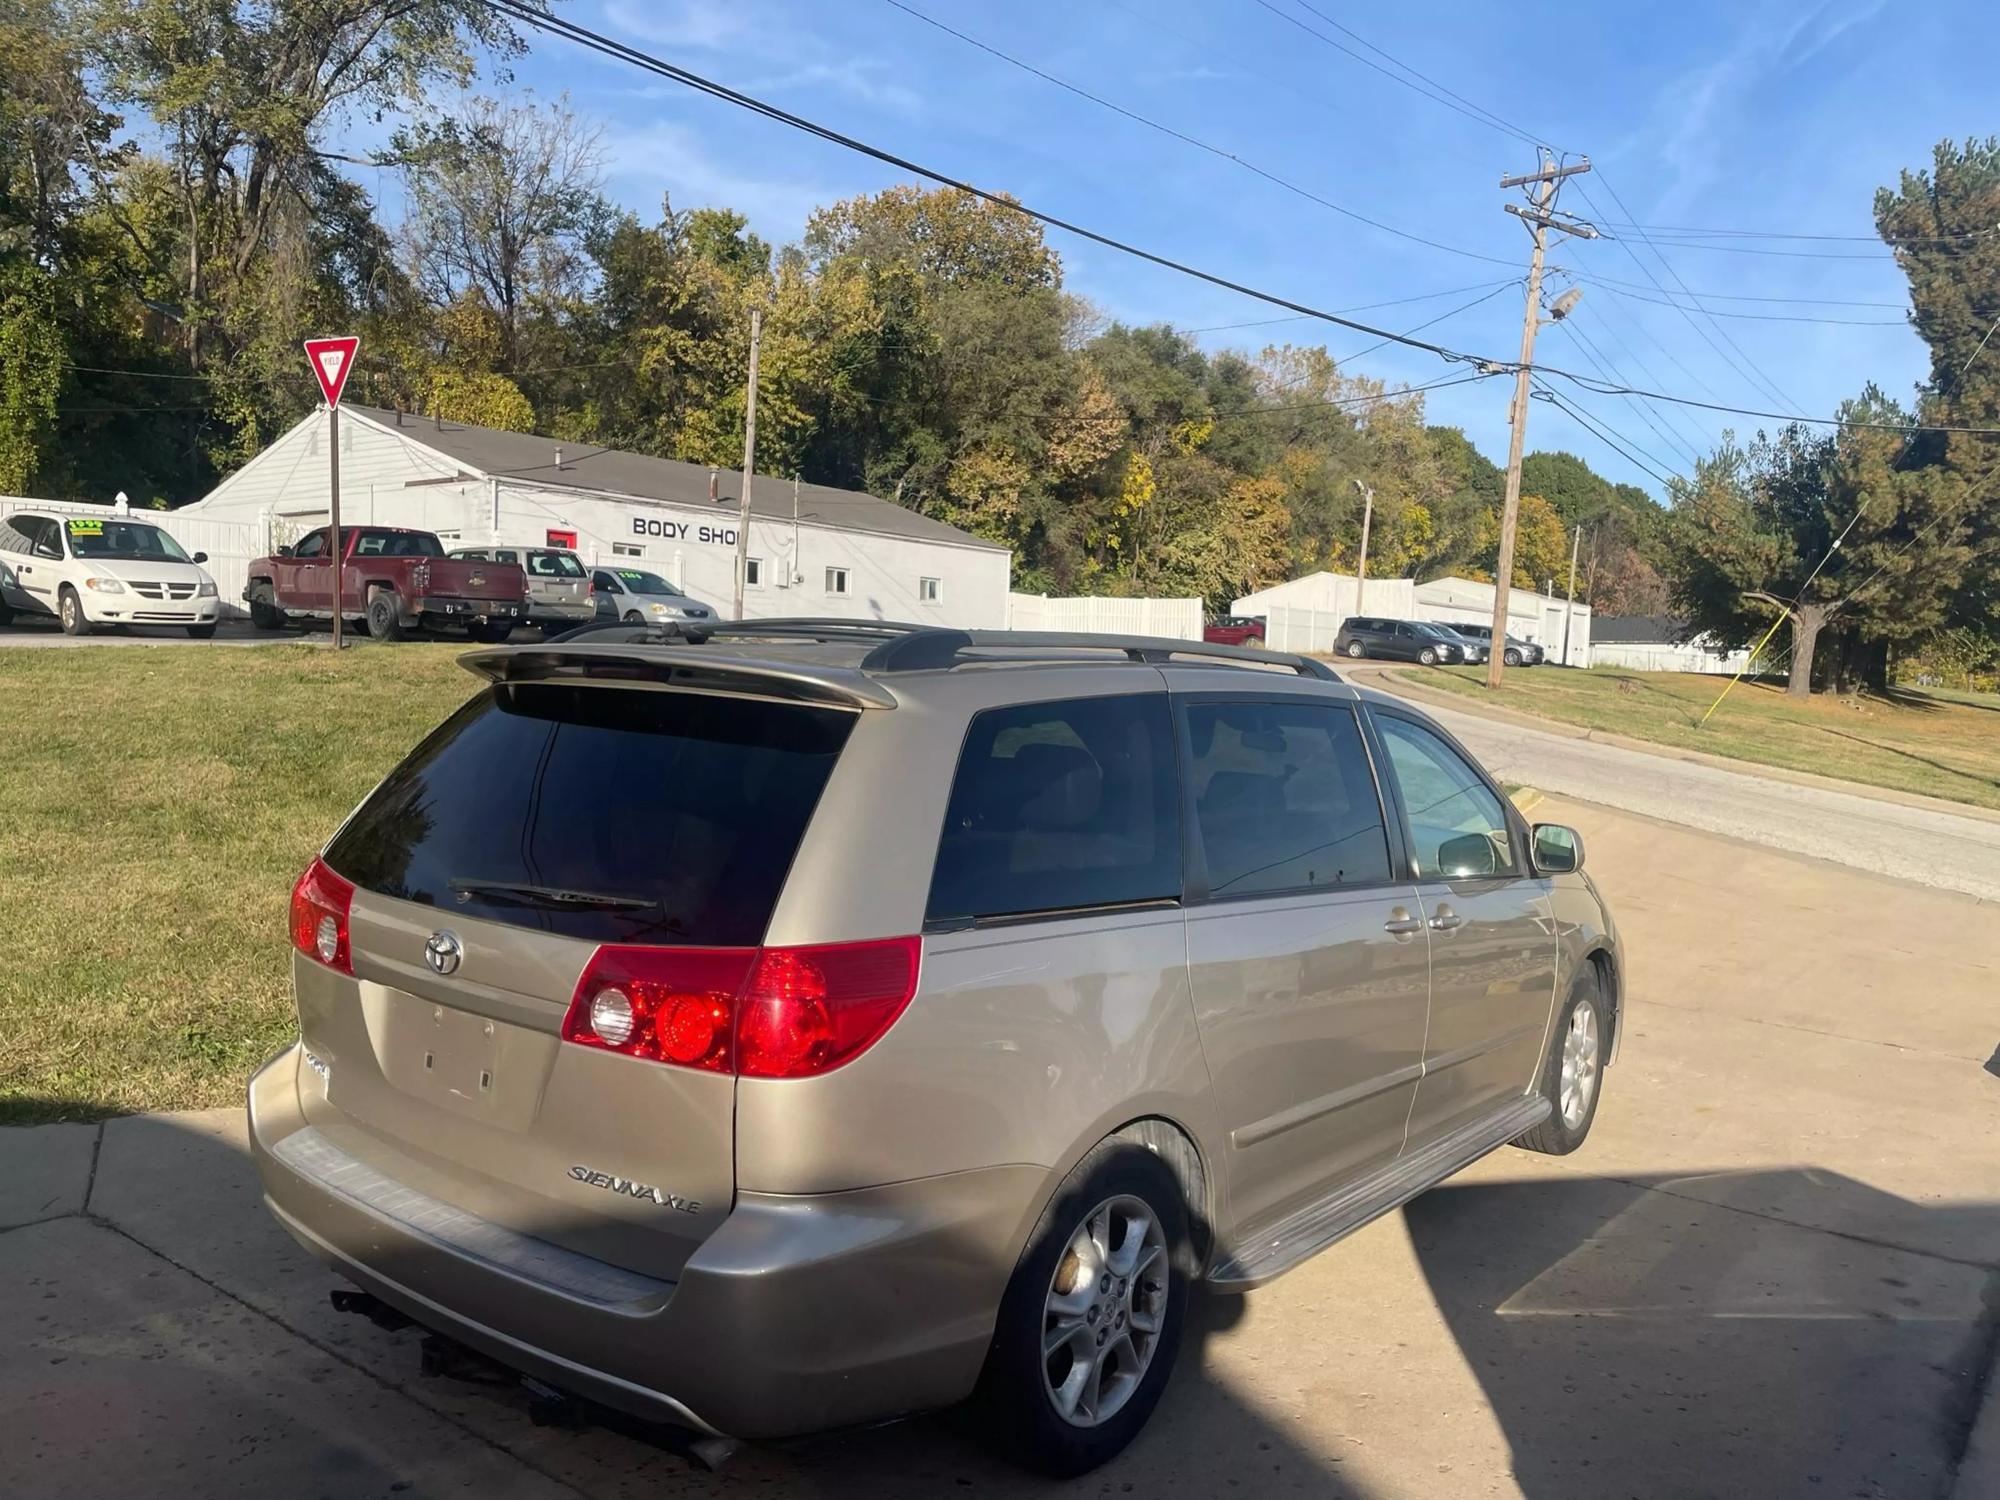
753 571
836 580
929 590
626 549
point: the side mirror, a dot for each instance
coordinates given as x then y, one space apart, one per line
1558 850
286 550
43 549
199 557
1467 857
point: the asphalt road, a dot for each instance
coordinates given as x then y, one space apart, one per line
1773 1270
1930 847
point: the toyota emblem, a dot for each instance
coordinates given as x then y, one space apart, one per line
443 952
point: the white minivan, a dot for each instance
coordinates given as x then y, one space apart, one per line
102 570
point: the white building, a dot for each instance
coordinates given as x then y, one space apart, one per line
1305 614
813 550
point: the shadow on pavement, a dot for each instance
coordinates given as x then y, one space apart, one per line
1663 1337
1667 1336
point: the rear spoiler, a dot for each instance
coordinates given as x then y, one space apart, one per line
700 669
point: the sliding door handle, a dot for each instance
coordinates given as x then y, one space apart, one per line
1444 919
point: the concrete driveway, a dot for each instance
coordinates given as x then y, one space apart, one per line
1774 1270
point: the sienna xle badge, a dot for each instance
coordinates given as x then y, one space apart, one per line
829 1021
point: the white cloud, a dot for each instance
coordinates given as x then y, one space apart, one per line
707 24
665 158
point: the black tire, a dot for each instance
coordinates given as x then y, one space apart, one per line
1428 657
265 614
1554 1137
633 617
1014 1387
385 617
69 610
1356 650
492 633
202 632
1511 657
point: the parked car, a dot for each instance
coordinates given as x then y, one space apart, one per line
1473 647
641 598
862 1016
1518 653
394 578
1235 630
112 569
560 595
1397 640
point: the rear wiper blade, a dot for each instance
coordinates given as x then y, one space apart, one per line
551 895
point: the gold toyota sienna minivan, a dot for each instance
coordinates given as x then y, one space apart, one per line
833 1020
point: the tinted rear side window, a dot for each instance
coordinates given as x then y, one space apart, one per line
1284 798
682 811
1060 806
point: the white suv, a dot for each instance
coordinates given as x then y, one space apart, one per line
102 570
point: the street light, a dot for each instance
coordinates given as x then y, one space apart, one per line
1361 568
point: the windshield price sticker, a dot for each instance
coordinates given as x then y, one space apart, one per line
85 526
628 573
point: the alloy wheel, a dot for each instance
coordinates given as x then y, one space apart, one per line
1578 1085
1105 1310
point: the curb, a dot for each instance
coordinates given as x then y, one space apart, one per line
1526 798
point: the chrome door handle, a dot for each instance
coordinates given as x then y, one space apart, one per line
1445 919
1402 926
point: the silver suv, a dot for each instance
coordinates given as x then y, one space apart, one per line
835 1020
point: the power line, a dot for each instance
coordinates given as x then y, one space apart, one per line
1595 279
520 11
1769 317
1775 234
1363 307
1180 135
1648 371
1442 95
1756 380
1604 367
1605 435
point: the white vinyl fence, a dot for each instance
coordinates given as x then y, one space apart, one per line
1177 619
1651 656
230 545
1304 631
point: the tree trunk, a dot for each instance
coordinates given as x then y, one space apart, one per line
1874 673
1807 621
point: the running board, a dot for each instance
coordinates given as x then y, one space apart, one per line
1313 1228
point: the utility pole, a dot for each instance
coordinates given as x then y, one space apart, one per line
1540 218
749 460
1361 568
1569 608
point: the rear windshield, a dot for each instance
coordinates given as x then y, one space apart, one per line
603 813
398 544
554 565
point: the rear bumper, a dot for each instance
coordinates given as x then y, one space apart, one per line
560 614
447 608
798 1314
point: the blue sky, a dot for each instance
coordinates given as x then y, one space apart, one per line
1769 117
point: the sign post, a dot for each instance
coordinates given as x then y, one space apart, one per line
331 360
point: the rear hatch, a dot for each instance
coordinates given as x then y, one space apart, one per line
543 820
557 578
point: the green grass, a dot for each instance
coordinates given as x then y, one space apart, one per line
1935 743
159 805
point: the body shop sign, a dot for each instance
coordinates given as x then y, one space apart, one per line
684 531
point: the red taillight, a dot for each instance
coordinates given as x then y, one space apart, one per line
673 1005
320 903
758 1012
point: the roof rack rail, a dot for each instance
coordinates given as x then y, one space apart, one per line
1157 650
905 647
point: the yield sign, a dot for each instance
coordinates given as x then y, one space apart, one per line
331 359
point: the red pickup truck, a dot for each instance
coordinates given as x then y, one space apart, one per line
395 579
